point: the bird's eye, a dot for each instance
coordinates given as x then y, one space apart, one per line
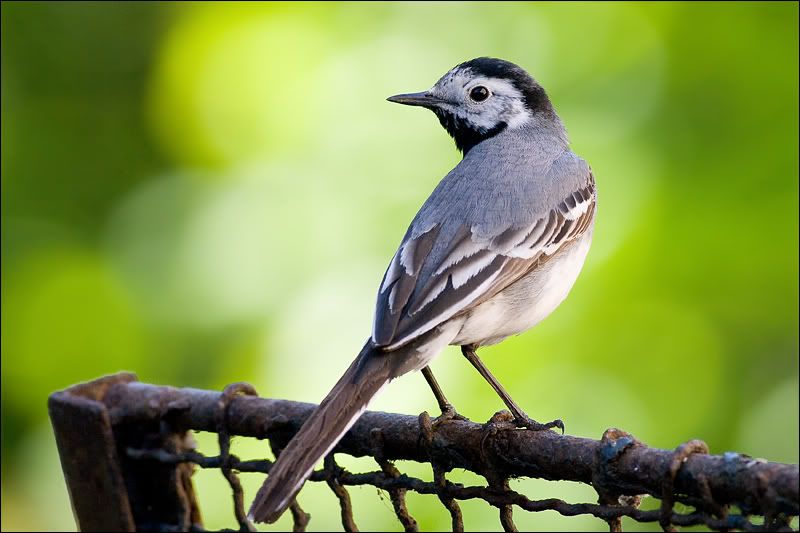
479 93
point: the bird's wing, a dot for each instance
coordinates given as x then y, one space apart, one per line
416 295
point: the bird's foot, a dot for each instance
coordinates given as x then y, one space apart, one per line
449 413
529 423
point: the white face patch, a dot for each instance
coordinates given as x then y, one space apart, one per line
504 104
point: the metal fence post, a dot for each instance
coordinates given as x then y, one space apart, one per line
108 491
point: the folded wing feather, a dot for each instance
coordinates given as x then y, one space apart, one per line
471 271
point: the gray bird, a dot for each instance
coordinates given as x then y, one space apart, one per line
494 250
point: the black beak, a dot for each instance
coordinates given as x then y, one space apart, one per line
423 99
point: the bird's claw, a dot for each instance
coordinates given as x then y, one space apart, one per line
530 423
449 413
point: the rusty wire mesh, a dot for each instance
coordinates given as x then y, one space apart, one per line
150 424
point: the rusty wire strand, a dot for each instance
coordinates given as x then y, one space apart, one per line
440 481
332 472
496 482
300 518
679 456
167 433
506 510
226 458
614 444
397 496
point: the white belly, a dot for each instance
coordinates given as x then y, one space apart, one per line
528 301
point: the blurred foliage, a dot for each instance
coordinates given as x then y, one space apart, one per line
207 193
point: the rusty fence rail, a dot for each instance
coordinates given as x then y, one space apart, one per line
128 458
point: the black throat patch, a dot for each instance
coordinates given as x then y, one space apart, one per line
466 135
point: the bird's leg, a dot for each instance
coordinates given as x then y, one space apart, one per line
447 409
520 418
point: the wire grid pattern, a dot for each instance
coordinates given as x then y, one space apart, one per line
611 507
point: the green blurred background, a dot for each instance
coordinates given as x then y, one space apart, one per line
208 193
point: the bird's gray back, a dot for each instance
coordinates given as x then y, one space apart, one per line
510 181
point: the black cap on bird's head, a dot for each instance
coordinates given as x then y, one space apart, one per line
480 98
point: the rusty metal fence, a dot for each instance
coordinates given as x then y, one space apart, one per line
128 457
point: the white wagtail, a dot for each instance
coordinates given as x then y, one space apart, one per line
494 250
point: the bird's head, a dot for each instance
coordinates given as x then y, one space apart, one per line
480 98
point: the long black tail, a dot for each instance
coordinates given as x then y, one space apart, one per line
321 432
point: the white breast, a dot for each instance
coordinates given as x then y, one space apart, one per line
528 301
